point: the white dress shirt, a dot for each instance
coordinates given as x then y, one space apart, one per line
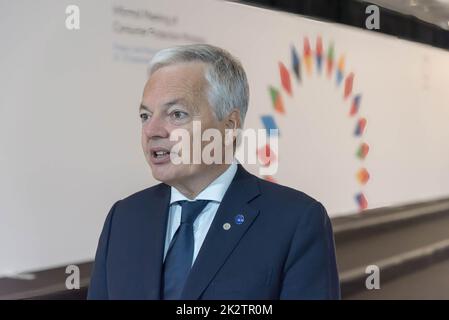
214 192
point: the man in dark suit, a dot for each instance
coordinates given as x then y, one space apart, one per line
209 230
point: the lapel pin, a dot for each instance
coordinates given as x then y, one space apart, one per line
227 226
239 219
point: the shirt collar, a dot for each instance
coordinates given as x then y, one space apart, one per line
214 191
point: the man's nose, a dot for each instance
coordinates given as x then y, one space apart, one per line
155 128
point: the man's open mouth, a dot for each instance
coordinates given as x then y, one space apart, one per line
160 154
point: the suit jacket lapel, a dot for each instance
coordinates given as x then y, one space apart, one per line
156 215
219 242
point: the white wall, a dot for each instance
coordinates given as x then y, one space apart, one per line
69 126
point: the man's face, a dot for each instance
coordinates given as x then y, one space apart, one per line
175 96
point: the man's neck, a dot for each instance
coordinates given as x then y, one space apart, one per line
194 187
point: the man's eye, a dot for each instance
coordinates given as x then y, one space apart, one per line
179 115
144 116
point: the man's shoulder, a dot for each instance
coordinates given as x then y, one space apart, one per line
144 194
144 198
283 205
282 195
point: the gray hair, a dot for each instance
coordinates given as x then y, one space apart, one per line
228 85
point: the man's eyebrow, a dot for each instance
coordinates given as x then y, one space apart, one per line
175 101
167 104
144 107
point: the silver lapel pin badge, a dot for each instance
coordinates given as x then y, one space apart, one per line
227 226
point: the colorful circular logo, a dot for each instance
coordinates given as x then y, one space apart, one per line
300 67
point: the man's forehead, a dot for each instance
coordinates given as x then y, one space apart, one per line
185 71
185 80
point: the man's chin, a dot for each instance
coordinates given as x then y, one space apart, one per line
161 177
163 174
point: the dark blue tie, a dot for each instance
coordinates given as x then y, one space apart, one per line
178 260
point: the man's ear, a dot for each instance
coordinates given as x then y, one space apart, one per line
233 120
232 126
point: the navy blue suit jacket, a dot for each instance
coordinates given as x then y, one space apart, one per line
284 249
